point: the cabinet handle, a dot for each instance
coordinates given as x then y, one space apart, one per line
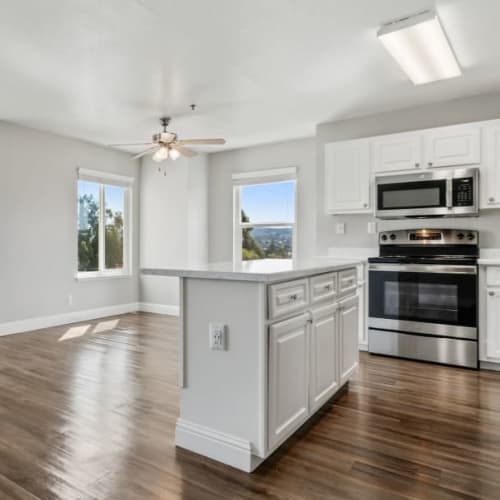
430 164
327 287
491 200
417 165
293 297
365 205
491 294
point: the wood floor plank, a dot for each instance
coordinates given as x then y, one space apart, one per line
88 411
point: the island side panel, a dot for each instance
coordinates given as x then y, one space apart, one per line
225 391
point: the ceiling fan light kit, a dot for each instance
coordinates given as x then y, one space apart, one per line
165 145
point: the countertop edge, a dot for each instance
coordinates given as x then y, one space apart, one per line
250 276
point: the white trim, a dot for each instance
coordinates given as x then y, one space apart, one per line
40 322
219 446
165 309
489 365
86 174
265 176
105 275
363 346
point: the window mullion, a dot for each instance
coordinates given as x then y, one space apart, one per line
102 246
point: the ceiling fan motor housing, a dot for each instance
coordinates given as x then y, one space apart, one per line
164 137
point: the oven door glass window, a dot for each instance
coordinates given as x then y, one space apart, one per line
425 297
406 195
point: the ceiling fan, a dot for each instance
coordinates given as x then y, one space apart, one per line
166 144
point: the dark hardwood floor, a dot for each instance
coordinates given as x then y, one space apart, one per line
88 411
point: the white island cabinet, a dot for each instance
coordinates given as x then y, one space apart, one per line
287 343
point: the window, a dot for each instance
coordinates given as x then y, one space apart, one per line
103 224
264 213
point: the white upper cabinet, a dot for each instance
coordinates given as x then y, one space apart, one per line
490 168
397 152
453 146
347 177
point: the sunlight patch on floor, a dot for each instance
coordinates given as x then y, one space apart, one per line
74 332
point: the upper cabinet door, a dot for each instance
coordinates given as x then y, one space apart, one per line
453 146
397 152
490 168
347 177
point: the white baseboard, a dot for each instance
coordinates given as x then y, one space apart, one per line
363 347
159 308
210 443
489 365
29 324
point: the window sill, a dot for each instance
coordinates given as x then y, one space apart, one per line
101 276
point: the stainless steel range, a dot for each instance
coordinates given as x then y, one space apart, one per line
423 292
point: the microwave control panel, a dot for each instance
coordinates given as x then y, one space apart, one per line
463 192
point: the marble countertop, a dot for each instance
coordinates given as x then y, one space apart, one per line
267 271
489 257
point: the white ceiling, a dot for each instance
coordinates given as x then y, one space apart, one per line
260 70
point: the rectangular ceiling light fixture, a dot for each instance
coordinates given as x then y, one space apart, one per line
420 46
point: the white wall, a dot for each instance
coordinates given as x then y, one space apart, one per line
469 109
38 207
299 153
173 215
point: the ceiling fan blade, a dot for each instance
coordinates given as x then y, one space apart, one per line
145 152
189 153
129 144
202 141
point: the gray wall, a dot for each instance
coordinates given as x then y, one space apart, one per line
299 153
469 109
174 223
38 207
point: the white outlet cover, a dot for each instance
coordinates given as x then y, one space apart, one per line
372 227
217 336
340 228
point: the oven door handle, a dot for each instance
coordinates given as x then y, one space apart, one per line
424 268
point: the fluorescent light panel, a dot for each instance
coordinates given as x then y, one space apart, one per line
419 45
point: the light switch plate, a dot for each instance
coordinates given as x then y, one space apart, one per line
340 228
217 336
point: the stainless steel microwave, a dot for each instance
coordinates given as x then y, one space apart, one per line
440 193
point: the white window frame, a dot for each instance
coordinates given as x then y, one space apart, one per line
107 179
261 177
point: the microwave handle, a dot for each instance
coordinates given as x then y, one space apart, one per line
449 194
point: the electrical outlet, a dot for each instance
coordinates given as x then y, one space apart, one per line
70 300
217 336
340 228
372 227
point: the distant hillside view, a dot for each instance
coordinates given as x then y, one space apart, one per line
266 242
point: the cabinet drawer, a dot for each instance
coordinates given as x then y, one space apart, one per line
288 297
323 287
493 276
348 281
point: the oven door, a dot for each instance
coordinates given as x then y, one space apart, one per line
433 299
413 198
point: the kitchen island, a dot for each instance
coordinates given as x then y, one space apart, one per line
262 346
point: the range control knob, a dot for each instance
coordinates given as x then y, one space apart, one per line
470 236
392 237
460 236
384 237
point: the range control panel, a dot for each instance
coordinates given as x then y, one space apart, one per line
429 237
463 192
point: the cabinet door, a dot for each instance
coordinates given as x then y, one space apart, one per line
349 333
493 324
451 146
347 177
490 168
288 377
397 152
324 355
